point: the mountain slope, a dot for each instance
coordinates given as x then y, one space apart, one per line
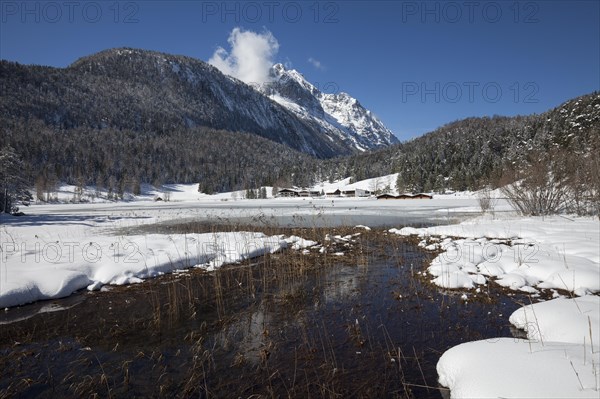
339 114
150 91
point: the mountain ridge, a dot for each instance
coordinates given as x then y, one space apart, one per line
147 90
337 112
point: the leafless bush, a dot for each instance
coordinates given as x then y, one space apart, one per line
540 188
556 182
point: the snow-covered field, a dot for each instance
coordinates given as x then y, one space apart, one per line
284 212
561 358
57 249
189 192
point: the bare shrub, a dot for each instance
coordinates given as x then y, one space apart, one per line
558 181
541 187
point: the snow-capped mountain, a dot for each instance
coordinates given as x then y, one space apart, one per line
149 91
338 114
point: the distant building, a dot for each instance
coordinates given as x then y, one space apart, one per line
308 193
290 192
422 196
349 193
386 197
287 192
404 196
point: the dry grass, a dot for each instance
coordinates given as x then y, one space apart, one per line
287 324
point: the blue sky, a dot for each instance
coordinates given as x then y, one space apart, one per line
417 65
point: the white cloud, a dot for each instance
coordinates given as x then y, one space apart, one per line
288 64
250 57
316 63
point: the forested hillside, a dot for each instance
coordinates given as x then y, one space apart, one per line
119 160
123 117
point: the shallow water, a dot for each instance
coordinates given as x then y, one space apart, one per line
363 324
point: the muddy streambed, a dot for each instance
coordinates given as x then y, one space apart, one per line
361 324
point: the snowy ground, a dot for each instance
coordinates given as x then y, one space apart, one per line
57 249
561 358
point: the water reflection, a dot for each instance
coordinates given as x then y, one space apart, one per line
341 283
360 325
26 312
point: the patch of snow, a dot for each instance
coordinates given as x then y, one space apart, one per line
299 242
546 253
572 320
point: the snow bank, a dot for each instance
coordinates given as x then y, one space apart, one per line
35 267
557 361
520 254
574 321
515 368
